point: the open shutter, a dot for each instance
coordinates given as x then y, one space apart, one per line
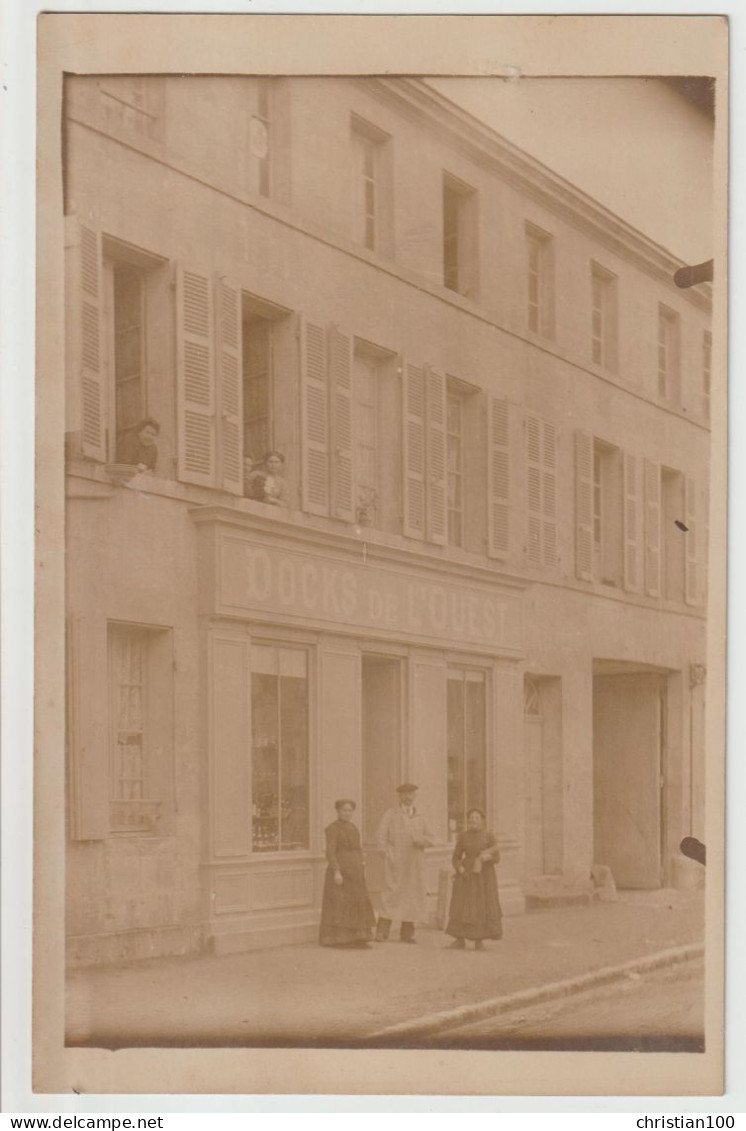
652 529
435 494
498 477
413 377
584 506
341 413
631 523
87 733
86 355
690 506
549 493
229 385
314 417
533 495
195 377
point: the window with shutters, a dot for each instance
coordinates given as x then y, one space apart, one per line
540 278
279 748
604 318
257 386
669 376
455 450
607 514
674 534
460 248
371 187
140 720
466 710
706 372
541 500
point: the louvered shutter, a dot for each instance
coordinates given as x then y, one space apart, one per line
229 385
533 489
549 493
631 523
86 354
341 416
690 507
584 506
314 417
652 529
86 725
498 492
195 369
413 377
435 494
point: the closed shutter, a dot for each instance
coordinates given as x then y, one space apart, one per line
229 385
584 506
549 494
690 506
631 523
533 490
86 355
435 494
87 732
414 450
195 378
314 417
652 529
498 472
340 350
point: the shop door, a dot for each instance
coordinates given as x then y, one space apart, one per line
381 718
628 777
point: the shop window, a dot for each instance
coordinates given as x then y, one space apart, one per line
540 265
706 372
460 267
669 378
371 186
467 745
604 317
139 722
280 763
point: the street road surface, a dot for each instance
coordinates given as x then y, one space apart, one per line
660 1011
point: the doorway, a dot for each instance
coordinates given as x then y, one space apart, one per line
543 774
629 755
381 719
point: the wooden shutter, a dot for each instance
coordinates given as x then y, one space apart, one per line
498 477
690 507
314 417
229 385
533 499
435 493
341 415
413 377
549 493
195 378
87 731
584 506
652 529
631 522
85 345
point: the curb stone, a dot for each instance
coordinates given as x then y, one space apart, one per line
479 1011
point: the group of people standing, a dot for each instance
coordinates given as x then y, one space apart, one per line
347 916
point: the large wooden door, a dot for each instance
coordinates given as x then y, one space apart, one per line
628 777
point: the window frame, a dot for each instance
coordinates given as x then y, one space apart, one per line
464 236
366 138
604 344
541 245
669 354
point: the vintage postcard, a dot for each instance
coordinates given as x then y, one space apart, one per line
381 528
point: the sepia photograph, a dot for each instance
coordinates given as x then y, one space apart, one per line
385 405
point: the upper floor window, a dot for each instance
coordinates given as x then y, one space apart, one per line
706 372
669 378
541 501
604 317
371 187
460 253
540 265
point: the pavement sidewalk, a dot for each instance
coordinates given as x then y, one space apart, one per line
308 995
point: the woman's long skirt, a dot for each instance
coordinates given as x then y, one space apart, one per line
347 916
475 908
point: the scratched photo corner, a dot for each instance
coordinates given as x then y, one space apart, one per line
387 473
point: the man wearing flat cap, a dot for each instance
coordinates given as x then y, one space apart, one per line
403 836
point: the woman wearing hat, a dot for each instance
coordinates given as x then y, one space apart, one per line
347 917
403 835
475 907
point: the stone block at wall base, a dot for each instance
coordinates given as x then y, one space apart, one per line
134 946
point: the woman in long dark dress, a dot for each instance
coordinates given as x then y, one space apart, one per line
475 907
347 917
